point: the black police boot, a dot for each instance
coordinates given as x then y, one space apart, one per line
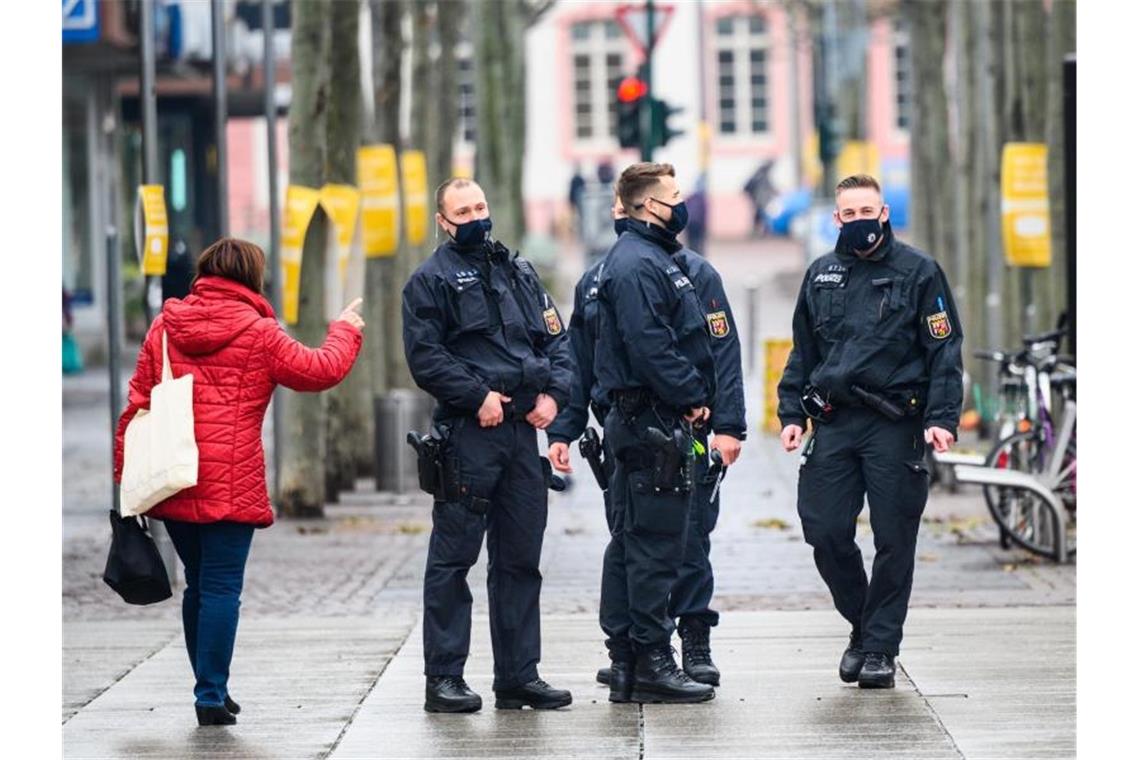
603 676
878 672
537 694
232 706
620 676
852 661
450 694
696 659
658 679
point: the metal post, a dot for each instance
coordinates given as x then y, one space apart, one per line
269 65
645 116
114 343
149 108
753 291
1070 100
217 23
794 69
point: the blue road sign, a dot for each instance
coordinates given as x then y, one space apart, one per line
80 21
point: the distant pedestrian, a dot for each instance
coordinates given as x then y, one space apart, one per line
226 335
760 191
577 188
606 172
876 363
696 230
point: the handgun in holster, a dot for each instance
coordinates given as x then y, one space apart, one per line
591 448
881 405
438 474
673 461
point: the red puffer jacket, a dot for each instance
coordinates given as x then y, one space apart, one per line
228 338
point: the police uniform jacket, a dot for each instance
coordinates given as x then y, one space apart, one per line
728 406
583 331
886 323
652 334
477 320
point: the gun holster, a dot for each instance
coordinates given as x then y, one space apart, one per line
438 472
591 448
673 461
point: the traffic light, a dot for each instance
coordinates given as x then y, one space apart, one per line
630 95
660 131
829 137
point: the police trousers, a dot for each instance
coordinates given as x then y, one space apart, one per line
692 593
861 454
502 495
647 541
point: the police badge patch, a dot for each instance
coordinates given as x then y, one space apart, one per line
718 324
939 325
553 323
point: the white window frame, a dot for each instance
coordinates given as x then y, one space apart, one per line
596 46
741 43
900 38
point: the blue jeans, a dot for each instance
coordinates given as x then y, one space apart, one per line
214 556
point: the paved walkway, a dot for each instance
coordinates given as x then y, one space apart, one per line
328 659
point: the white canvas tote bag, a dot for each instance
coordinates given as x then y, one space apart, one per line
160 455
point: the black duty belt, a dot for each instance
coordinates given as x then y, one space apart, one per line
634 401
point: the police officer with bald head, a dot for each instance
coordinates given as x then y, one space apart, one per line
483 337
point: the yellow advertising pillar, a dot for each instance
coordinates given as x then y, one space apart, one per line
300 204
379 200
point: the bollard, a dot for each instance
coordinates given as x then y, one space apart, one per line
398 412
753 290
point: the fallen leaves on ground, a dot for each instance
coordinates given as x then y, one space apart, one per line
771 523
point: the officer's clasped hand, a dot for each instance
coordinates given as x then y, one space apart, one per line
792 436
697 413
559 456
491 412
728 447
544 412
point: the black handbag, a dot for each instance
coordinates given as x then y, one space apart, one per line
134 568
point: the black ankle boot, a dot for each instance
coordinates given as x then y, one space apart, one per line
878 671
603 676
450 694
696 658
621 681
852 661
214 715
232 706
658 679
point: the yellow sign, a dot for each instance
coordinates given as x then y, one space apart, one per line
380 200
413 174
151 229
300 203
857 157
1025 205
809 161
341 203
776 352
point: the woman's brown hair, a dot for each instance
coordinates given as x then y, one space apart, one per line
237 260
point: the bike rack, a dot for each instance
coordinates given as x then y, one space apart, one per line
991 476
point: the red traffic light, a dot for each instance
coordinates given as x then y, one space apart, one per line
631 89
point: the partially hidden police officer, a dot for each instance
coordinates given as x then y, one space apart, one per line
876 363
653 362
692 593
484 338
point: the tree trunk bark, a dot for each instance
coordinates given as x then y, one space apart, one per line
1062 42
500 76
449 16
303 441
350 428
423 25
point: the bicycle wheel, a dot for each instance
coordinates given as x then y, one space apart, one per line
1023 516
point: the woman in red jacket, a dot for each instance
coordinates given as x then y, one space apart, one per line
226 335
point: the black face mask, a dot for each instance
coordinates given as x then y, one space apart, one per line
621 225
860 235
677 221
472 233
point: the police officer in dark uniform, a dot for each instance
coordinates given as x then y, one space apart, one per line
653 362
876 364
483 337
692 593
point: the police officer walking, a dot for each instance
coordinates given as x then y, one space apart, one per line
653 363
876 364
483 337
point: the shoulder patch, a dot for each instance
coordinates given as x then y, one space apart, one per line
939 325
553 323
464 277
718 324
